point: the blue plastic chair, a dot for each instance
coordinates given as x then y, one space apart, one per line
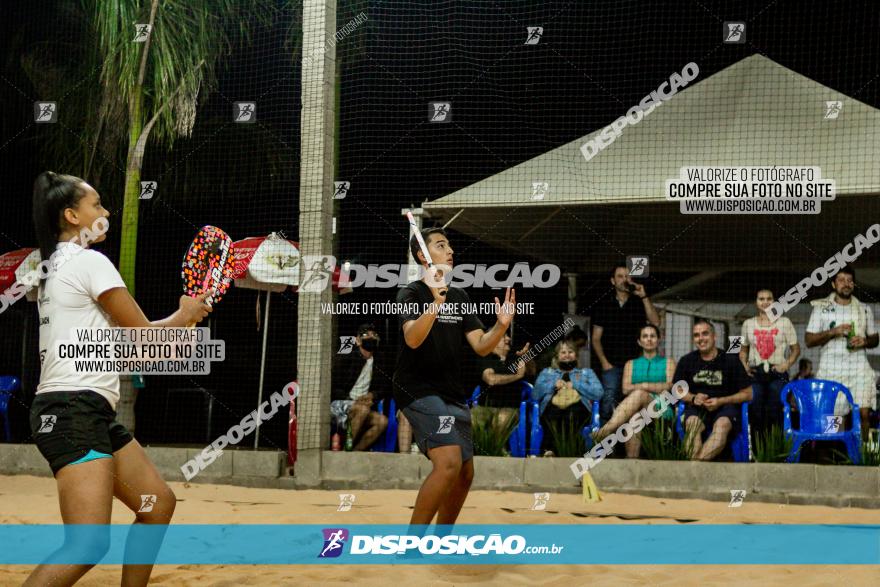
815 402
8 385
739 446
592 426
388 441
529 425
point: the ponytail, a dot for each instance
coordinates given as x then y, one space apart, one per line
53 193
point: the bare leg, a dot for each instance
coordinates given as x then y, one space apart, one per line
136 476
631 404
85 493
693 436
404 433
446 471
716 441
451 506
376 424
481 416
358 414
633 446
865 413
504 416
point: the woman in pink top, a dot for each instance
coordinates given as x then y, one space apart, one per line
763 355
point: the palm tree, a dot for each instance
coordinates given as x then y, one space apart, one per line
160 80
123 95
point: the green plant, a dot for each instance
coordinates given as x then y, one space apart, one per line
870 452
659 442
772 446
490 436
567 439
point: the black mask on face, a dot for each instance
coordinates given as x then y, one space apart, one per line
369 344
567 365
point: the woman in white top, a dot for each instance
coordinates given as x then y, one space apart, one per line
92 457
763 355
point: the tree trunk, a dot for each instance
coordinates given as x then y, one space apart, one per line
130 203
128 242
128 247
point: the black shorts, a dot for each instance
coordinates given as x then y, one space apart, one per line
731 411
71 425
436 422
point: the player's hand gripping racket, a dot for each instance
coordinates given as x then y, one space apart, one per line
423 246
207 265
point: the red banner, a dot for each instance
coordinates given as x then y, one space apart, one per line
9 262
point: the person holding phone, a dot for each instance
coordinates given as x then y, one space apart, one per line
617 321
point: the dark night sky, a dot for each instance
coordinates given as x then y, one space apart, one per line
511 102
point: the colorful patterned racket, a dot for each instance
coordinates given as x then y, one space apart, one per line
208 265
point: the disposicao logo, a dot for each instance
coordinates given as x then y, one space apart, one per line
334 540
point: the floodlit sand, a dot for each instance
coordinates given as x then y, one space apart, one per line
33 500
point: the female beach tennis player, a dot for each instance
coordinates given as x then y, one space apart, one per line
93 457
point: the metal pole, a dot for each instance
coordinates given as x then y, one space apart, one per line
262 365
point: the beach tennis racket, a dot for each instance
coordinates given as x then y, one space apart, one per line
422 245
208 265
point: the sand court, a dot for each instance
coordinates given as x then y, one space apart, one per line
33 500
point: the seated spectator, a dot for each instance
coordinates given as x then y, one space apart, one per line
405 435
501 390
545 359
762 353
578 338
805 370
356 376
644 378
718 384
565 392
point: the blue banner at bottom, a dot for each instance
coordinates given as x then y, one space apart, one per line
462 544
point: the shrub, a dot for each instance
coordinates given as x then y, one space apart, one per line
870 452
567 438
772 446
660 442
490 439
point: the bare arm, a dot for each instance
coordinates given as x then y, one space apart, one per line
491 378
793 356
820 338
651 311
744 357
126 312
627 384
688 397
597 346
416 331
483 342
661 387
743 395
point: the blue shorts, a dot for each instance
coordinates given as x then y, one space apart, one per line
436 422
